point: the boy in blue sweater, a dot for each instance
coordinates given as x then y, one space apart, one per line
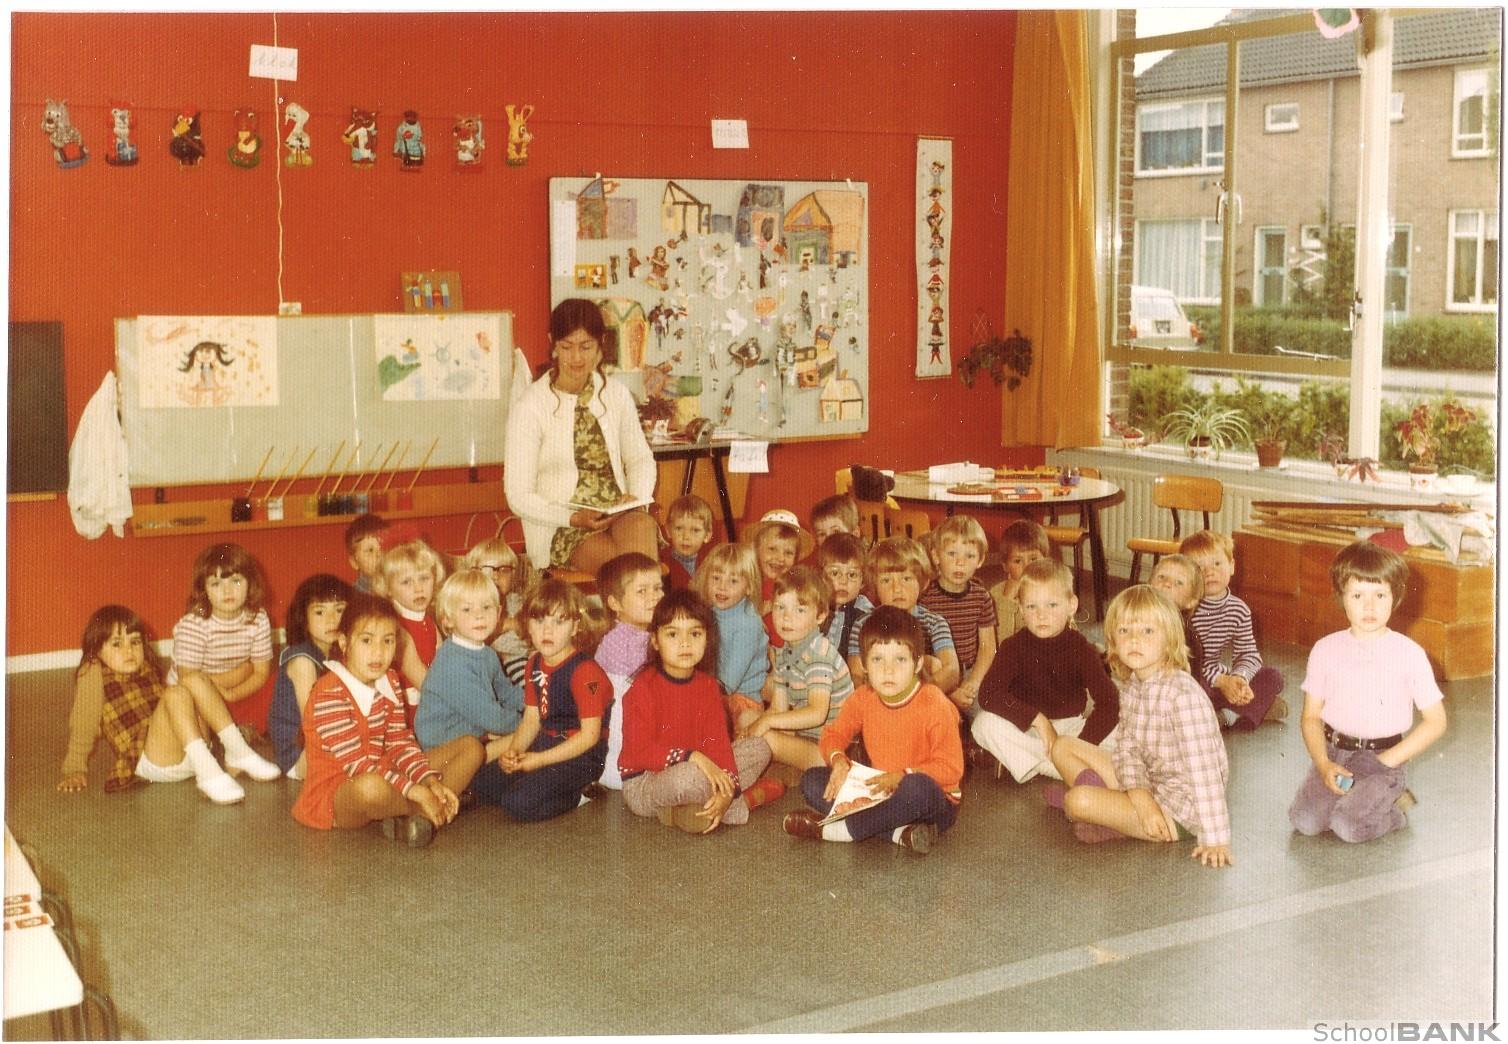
466 692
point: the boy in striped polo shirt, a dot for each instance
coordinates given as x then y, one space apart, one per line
955 594
899 571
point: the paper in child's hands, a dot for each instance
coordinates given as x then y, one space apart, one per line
855 794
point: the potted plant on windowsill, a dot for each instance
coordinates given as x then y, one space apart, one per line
1420 436
1206 429
1132 437
1268 424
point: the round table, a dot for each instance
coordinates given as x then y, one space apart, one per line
1085 497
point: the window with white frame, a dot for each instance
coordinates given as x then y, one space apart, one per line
1269 290
1395 107
1396 282
1472 261
1280 117
1181 136
1181 256
1474 113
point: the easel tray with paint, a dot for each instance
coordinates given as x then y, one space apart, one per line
193 517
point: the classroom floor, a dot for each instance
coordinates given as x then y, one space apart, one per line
207 922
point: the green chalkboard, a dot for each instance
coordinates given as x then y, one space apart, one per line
38 451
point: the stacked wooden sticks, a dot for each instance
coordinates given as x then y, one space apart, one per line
357 498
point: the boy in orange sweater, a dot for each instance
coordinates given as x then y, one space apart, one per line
910 730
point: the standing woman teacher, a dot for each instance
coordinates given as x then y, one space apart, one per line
575 437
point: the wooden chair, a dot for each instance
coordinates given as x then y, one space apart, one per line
1177 493
872 528
908 522
1074 536
842 481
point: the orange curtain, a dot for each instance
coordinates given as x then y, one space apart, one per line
1049 259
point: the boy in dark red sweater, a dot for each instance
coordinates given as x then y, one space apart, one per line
688 521
1035 689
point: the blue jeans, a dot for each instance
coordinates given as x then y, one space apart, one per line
544 793
917 800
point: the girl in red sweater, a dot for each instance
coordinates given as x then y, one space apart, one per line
678 763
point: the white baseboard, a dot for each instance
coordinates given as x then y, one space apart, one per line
51 661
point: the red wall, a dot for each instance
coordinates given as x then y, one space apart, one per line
827 96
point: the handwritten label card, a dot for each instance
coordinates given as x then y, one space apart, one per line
274 63
730 134
750 457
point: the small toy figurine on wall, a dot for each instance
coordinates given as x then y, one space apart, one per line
518 134
188 139
469 143
408 141
247 151
67 143
297 141
122 152
361 135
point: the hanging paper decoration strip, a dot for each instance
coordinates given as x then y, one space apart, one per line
934 232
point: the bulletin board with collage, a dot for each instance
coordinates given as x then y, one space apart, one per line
744 302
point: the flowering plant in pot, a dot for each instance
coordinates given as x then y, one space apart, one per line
1420 434
1132 437
1207 430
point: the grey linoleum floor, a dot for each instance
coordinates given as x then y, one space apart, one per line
207 922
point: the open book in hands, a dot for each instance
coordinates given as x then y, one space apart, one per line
612 509
854 795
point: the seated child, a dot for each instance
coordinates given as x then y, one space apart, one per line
842 559
1247 693
1183 582
411 573
1034 692
688 521
312 629
1360 690
560 746
465 690
778 541
899 571
958 547
512 575
119 690
364 549
1021 544
363 762
839 514
728 580
677 761
809 680
911 733
1166 778
631 586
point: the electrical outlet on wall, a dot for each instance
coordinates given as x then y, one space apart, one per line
291 308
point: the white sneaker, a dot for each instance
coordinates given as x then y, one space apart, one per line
295 772
220 789
253 764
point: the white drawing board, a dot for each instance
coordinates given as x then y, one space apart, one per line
314 382
742 301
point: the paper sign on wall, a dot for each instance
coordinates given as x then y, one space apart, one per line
274 63
563 238
749 457
730 134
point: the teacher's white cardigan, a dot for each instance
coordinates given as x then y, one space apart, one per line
539 470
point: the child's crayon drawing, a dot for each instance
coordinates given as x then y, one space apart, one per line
423 357
206 361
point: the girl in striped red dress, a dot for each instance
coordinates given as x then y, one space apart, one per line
363 763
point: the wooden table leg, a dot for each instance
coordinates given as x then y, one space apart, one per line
1097 560
722 496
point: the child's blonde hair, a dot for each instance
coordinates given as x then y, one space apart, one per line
462 584
962 528
1372 563
554 597
842 507
412 554
1144 603
899 555
1205 541
692 505
1024 535
810 588
1048 571
735 558
498 549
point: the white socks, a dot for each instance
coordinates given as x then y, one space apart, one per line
209 777
837 831
239 757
